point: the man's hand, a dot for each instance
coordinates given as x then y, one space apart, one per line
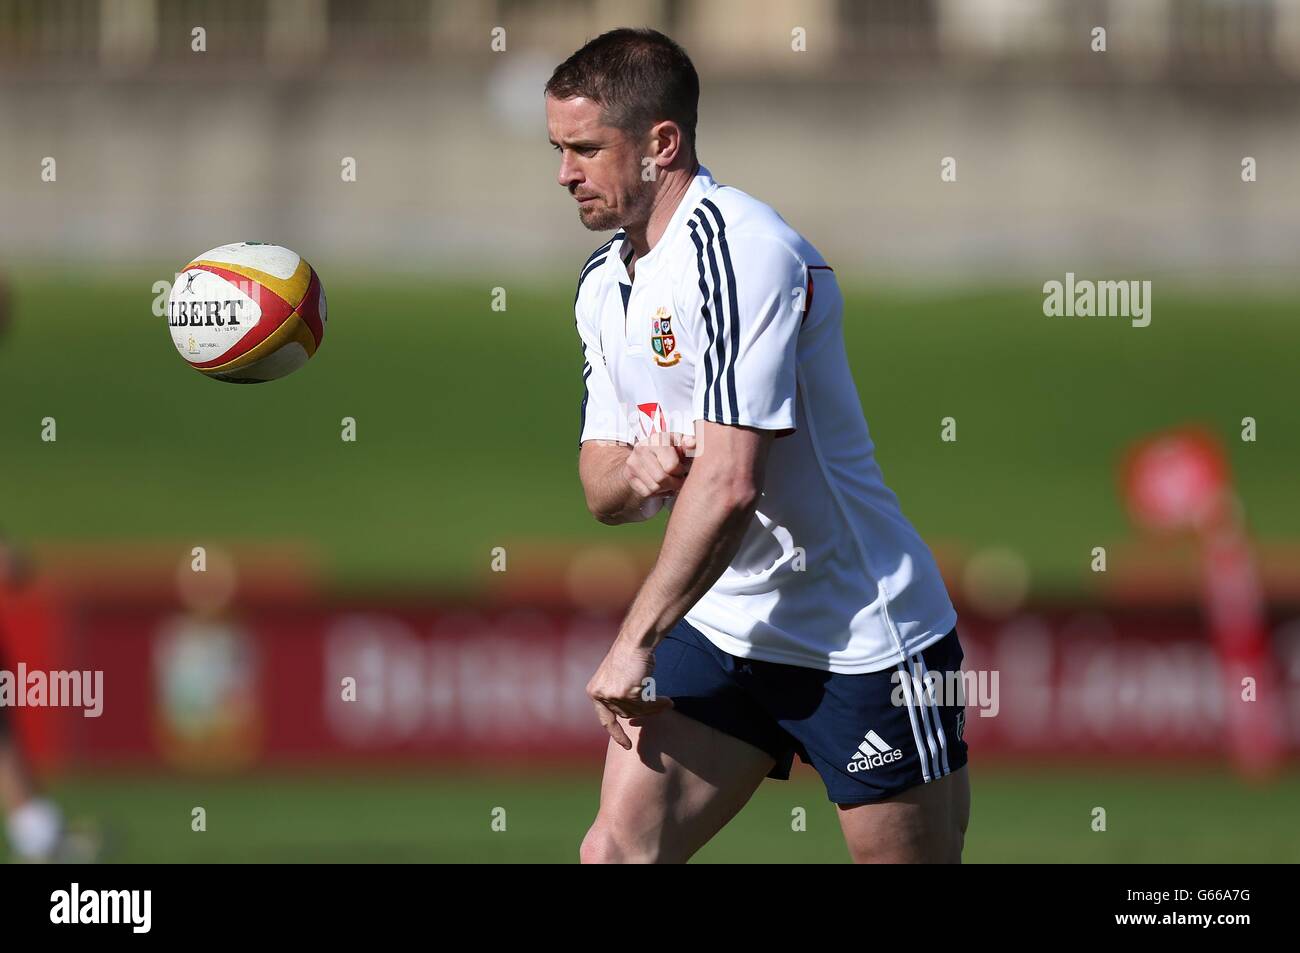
658 466
627 484
618 689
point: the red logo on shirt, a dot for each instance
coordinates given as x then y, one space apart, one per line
652 419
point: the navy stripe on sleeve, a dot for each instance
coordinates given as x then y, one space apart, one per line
733 307
725 337
704 312
594 261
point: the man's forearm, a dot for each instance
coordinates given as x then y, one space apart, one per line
704 532
610 498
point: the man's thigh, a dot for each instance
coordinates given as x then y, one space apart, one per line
924 824
663 800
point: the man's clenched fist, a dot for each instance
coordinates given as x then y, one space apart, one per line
657 467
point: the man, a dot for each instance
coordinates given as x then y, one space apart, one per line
792 609
34 825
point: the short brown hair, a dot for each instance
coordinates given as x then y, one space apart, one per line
637 76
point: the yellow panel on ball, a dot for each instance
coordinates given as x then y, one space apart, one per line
247 312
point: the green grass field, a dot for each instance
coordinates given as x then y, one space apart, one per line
467 421
1017 816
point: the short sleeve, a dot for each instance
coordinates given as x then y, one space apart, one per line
751 310
599 417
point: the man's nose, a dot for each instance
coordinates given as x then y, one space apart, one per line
569 173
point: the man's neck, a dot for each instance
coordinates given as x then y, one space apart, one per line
673 188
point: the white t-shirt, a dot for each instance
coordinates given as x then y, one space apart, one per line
733 317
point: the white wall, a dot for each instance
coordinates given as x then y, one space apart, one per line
454 172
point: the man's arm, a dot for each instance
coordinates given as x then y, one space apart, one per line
610 498
619 480
708 522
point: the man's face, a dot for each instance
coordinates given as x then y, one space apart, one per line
599 165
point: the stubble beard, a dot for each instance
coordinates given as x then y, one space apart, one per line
634 205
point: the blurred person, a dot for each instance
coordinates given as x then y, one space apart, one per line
34 824
793 609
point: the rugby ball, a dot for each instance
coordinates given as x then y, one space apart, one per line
247 312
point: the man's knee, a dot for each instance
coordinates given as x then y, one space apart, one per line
605 845
598 847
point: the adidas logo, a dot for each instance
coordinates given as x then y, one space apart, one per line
872 753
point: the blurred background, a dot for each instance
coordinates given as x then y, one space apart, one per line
1116 519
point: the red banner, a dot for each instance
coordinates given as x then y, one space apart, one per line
287 683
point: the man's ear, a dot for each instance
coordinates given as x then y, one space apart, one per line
667 135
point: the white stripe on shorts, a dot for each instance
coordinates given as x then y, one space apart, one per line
906 682
919 685
938 722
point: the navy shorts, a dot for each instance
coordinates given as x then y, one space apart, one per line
869 736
